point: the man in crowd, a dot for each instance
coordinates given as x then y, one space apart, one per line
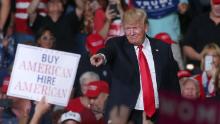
203 30
92 113
97 93
65 27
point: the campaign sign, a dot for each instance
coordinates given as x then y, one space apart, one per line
39 72
157 8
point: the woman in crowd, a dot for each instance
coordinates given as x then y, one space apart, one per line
22 110
45 38
190 88
108 17
209 63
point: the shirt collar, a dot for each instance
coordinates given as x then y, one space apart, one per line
145 43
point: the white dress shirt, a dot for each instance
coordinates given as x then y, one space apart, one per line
148 54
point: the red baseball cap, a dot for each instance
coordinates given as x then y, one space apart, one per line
164 37
183 73
97 87
94 42
216 1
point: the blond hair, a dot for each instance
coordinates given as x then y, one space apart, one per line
209 47
135 15
194 82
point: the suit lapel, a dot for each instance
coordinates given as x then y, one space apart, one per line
131 55
156 55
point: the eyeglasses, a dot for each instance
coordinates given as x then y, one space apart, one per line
46 38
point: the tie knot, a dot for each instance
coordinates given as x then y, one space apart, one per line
140 47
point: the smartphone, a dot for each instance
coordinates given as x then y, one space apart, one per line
114 8
208 62
5 103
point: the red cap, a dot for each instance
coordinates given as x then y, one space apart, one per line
216 1
97 87
183 73
94 42
164 37
5 84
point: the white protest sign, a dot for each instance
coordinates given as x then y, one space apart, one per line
41 72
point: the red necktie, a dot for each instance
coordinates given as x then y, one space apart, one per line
147 84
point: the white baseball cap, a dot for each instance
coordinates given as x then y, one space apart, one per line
70 116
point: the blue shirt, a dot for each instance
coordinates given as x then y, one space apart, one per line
169 24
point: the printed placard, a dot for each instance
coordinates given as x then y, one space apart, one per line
39 72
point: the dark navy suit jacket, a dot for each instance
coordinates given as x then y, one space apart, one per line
123 64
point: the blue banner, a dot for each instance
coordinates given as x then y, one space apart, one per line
157 8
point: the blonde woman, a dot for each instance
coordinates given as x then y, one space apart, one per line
209 63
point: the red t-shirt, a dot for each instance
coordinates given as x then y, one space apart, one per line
75 105
99 19
201 89
87 117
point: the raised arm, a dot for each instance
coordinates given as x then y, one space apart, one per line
41 108
32 13
109 15
190 53
5 10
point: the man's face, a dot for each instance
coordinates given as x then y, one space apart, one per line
215 9
97 104
55 6
135 32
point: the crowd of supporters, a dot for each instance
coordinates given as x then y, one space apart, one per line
191 27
